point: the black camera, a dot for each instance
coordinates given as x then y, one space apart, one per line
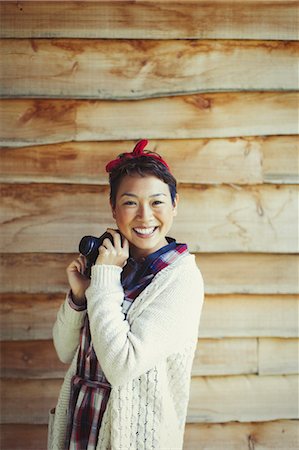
89 247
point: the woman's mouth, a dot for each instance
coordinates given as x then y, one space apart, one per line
145 232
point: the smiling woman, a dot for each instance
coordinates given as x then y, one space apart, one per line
130 332
144 213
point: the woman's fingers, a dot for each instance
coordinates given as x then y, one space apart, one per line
126 245
83 263
74 266
112 252
77 280
108 244
78 265
118 239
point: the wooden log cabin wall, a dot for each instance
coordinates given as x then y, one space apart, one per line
214 86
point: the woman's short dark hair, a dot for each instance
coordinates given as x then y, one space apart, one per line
141 166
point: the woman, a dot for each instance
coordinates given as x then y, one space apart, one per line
130 332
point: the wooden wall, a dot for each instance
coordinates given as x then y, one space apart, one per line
214 86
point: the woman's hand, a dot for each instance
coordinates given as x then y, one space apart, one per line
77 280
115 254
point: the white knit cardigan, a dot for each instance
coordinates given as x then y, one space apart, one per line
147 356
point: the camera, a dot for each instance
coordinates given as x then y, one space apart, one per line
89 247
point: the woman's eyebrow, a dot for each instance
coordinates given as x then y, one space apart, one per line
129 194
156 195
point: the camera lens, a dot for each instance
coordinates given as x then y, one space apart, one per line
88 244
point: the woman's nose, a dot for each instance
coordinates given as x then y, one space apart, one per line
144 212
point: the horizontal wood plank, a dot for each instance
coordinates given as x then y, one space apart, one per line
47 218
222 273
278 356
32 119
225 356
212 399
219 19
13 437
22 318
243 398
274 435
249 315
210 161
245 160
38 359
28 401
280 159
230 114
249 273
30 359
128 69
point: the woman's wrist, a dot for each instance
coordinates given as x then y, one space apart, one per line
78 299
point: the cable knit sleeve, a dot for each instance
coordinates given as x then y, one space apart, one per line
166 319
66 331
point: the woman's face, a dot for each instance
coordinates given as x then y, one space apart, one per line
144 213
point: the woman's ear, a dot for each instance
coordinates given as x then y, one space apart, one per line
112 210
175 205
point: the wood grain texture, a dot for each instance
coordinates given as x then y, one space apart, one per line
28 123
151 19
38 359
13 437
243 398
212 83
223 273
30 359
53 218
209 161
273 435
230 114
244 160
249 273
28 316
28 401
250 315
280 159
212 399
223 316
278 356
225 356
128 69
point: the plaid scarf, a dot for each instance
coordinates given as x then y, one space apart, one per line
90 389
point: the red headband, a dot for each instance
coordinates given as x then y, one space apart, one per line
136 153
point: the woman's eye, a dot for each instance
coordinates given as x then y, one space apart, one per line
157 202
129 203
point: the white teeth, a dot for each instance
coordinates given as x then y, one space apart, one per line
144 230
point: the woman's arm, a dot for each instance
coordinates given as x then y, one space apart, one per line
71 315
170 320
66 331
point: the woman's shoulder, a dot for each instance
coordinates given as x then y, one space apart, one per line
183 267
186 260
182 276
